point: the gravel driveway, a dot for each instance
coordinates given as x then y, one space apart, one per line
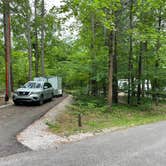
14 119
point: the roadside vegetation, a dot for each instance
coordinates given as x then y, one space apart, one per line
96 115
110 46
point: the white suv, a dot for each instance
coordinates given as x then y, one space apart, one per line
33 91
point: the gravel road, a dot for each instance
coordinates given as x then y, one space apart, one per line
14 119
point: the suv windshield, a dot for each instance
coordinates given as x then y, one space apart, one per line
32 85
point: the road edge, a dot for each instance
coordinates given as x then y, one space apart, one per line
37 135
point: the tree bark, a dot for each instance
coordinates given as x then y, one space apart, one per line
36 42
145 45
93 49
79 120
7 46
110 77
29 50
42 39
139 74
156 81
115 72
28 37
130 59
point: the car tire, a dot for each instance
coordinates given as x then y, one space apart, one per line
41 101
60 95
51 97
16 103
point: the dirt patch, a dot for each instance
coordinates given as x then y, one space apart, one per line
2 102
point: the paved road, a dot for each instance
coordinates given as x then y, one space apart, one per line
138 146
14 119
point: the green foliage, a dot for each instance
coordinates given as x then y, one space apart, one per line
86 57
95 119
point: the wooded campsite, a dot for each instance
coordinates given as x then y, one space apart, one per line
107 42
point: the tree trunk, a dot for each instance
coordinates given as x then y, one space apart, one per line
115 79
29 50
93 49
130 59
143 66
28 36
156 81
110 77
139 74
7 38
79 120
36 42
42 39
104 88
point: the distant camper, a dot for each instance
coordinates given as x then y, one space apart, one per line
56 83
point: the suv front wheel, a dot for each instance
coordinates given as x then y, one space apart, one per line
41 101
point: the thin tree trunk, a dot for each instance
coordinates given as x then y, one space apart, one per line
42 39
143 66
79 120
115 80
139 74
156 81
93 49
104 88
130 61
36 42
104 84
110 77
29 50
147 84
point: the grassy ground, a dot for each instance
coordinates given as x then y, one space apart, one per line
96 116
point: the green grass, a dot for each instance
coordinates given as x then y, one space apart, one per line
96 117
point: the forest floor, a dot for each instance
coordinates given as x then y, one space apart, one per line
2 101
96 117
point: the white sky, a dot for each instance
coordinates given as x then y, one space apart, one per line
50 3
67 33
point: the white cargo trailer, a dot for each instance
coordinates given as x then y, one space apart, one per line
56 83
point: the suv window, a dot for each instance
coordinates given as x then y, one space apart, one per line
48 85
38 85
32 85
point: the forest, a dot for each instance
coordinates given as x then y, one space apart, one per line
99 47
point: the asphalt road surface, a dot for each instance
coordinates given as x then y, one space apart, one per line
14 119
137 146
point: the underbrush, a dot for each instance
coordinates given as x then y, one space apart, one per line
92 114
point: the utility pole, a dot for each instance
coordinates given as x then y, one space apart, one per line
7 44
